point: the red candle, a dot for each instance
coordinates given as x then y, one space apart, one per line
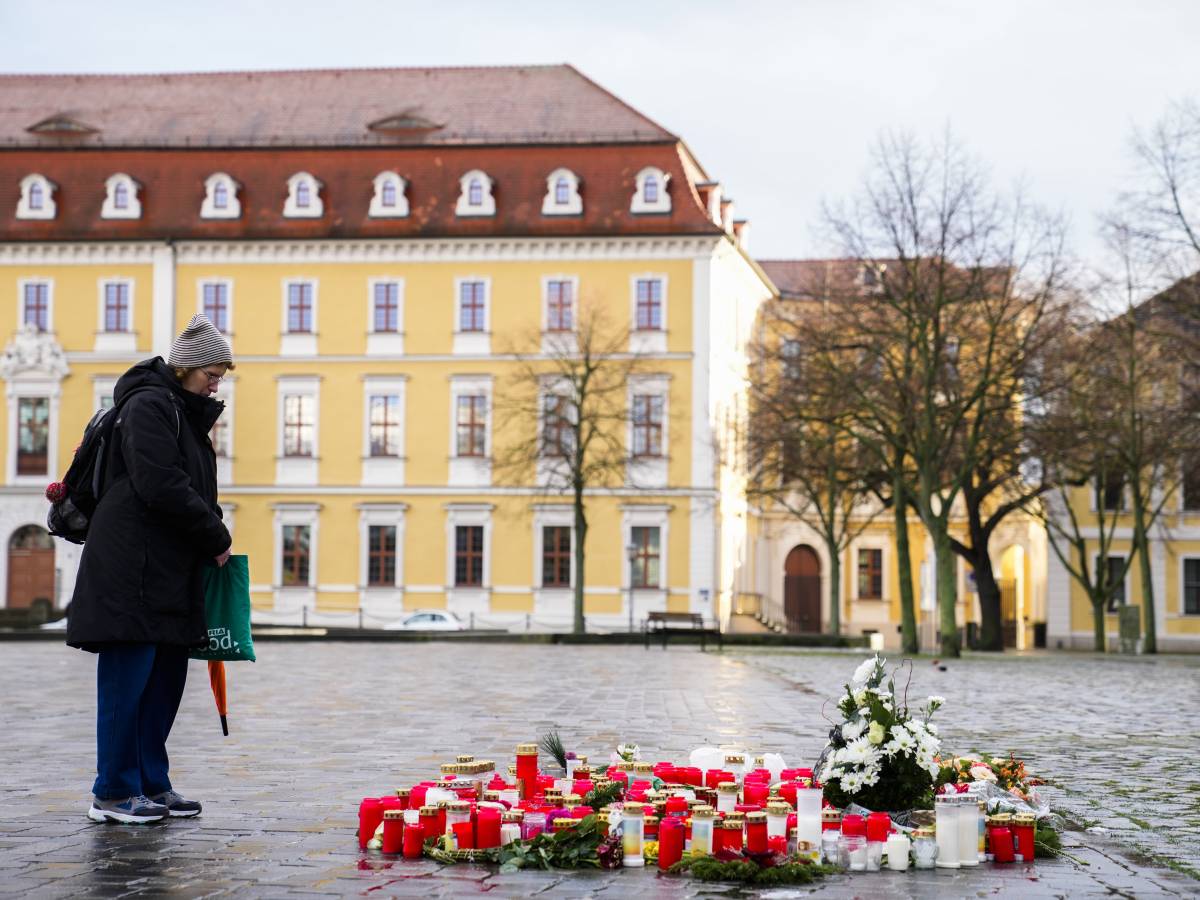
670 842
777 844
787 791
393 831
854 825
582 786
756 833
487 828
1000 839
878 826
414 842
581 812
416 797
1024 828
370 814
464 835
693 776
402 795
429 823
676 805
756 793
527 769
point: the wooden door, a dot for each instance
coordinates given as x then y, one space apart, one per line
802 590
30 568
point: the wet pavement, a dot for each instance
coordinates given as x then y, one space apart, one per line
317 726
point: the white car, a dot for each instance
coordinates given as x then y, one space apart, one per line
427 620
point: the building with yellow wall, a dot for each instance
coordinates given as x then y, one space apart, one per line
379 266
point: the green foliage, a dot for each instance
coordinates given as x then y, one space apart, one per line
571 848
552 745
902 785
709 868
1046 841
598 798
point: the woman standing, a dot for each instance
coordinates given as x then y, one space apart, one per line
139 596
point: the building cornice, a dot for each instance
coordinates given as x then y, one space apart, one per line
506 249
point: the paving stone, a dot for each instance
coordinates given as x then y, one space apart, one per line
316 727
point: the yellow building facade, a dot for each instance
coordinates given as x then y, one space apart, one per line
379 304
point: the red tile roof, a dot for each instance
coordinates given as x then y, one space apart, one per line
173 187
331 107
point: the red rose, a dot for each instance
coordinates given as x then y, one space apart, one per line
56 492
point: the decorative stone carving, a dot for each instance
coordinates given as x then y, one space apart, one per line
31 350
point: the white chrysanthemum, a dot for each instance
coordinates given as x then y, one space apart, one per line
935 700
851 782
860 698
866 669
857 751
854 729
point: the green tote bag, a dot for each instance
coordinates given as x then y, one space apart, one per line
227 610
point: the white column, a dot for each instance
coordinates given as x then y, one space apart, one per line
163 328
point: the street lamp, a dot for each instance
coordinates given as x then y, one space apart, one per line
631 550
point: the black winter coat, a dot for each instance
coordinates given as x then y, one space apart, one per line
158 522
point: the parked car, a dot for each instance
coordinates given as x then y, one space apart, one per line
427 620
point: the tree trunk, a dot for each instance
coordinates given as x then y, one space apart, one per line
1141 546
991 627
910 642
947 592
580 539
1098 629
835 589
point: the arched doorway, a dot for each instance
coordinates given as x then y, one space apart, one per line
30 569
802 590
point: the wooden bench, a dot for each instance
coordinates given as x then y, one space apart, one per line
665 624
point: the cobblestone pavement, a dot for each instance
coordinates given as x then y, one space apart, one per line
316 727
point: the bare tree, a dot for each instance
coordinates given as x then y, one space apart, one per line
963 278
800 456
565 414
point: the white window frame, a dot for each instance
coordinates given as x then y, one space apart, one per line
294 598
1184 558
466 600
384 470
381 601
102 386
470 471
552 472
649 340
1094 490
117 342
473 343
574 204
209 209
297 470
109 209
639 205
228 285
1126 584
226 393
22 283
49 206
870 543
557 342
487 206
377 210
558 515
33 386
649 471
646 599
299 343
385 343
315 209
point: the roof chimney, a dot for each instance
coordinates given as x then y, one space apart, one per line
741 233
726 220
710 199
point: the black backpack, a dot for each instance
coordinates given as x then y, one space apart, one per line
73 501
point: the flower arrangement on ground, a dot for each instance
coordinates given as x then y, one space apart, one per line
1008 774
881 755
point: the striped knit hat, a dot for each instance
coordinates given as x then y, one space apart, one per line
200 344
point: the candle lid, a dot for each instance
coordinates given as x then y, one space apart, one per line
728 787
527 749
429 811
923 832
582 771
703 812
464 758
1002 818
1024 819
793 832
643 768
565 823
755 817
831 815
779 809
459 806
491 796
393 814
735 759
449 768
651 819
760 761
581 758
512 816
634 808
626 766
403 792
730 824
736 818
512 770
572 800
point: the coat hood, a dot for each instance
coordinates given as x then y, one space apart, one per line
202 412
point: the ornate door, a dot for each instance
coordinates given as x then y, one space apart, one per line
802 590
30 568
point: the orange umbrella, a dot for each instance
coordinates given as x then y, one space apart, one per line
216 677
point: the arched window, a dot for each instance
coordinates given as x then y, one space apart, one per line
304 197
388 200
562 194
36 195
651 194
220 198
121 200
37 198
475 195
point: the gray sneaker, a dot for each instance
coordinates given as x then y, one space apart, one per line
130 811
176 804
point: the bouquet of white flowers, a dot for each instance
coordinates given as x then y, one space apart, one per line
881 756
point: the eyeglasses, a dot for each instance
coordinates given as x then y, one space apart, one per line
214 379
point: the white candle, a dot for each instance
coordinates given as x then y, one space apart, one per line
897 852
946 811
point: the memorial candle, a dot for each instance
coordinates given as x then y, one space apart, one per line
756 832
487 827
527 769
1024 828
670 842
413 841
777 844
464 836
429 822
370 814
393 831
808 815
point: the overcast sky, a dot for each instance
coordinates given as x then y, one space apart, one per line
780 101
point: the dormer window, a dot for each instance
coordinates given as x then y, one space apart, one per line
475 197
121 199
650 192
37 198
220 198
562 194
304 197
389 201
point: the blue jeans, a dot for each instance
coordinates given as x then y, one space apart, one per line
139 687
